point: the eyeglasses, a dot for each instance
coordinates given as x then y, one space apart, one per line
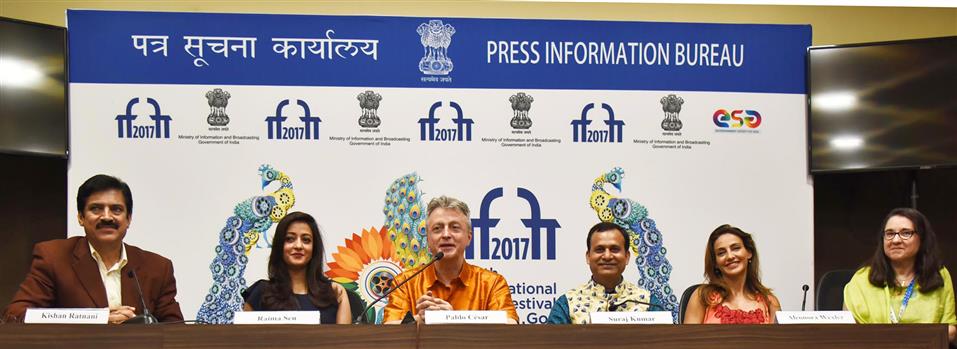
904 234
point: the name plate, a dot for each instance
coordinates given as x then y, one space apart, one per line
67 316
815 317
433 317
631 317
276 318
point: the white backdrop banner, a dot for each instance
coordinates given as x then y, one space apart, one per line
223 123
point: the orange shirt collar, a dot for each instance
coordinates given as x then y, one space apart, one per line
465 275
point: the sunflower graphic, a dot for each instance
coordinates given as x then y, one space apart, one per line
367 264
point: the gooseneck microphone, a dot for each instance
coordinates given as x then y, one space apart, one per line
362 316
804 301
146 318
614 307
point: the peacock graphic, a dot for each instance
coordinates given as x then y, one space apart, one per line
368 262
405 221
248 227
646 240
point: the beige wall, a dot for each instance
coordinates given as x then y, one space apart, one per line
831 25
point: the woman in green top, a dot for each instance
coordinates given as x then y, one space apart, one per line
905 281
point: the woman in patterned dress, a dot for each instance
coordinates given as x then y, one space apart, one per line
733 293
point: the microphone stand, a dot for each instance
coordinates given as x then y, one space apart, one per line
146 318
362 316
804 301
614 307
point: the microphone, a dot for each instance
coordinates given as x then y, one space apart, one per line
614 307
146 318
201 322
362 316
804 301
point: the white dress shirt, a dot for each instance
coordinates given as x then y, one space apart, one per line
112 277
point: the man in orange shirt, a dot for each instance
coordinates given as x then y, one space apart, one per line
450 283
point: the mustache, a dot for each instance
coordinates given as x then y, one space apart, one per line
105 224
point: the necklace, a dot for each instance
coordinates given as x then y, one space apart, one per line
904 280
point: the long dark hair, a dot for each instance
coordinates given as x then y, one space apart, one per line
927 263
278 293
716 282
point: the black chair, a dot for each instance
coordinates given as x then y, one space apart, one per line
830 289
684 302
356 305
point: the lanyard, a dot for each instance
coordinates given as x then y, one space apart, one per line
895 318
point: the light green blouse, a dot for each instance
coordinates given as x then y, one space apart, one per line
871 304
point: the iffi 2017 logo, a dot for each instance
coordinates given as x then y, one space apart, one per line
126 129
737 119
461 132
277 130
582 134
513 248
435 37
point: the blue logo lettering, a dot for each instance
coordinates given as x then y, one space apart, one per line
516 247
126 129
308 130
581 133
462 131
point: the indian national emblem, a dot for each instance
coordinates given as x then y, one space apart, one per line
436 38
521 103
671 105
369 102
217 99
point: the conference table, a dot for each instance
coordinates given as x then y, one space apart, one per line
473 336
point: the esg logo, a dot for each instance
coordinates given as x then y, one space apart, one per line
515 247
723 119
